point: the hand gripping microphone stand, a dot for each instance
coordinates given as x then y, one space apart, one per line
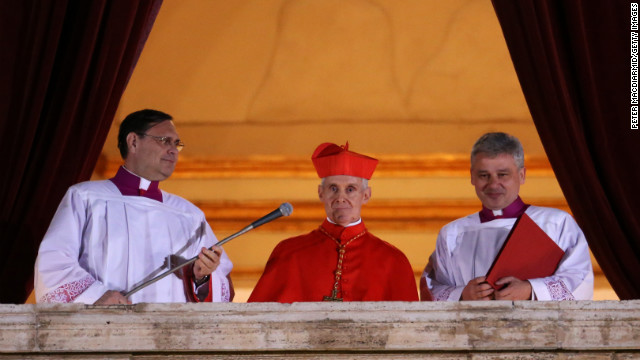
284 210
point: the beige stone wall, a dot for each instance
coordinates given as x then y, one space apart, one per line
256 85
278 77
367 330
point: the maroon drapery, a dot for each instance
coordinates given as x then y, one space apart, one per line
63 68
572 60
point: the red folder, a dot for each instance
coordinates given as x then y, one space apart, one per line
528 253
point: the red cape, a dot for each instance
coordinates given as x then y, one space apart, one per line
302 269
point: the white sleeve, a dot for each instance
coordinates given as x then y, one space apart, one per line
573 279
440 282
221 289
219 280
58 274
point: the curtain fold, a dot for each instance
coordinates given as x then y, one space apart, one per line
63 68
572 61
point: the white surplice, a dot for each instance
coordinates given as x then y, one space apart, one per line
466 248
100 240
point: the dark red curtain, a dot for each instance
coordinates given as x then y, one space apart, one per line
572 58
63 68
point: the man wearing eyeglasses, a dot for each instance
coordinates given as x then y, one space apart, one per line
109 236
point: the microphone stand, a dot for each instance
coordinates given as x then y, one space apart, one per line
284 209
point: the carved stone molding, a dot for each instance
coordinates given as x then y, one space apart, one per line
379 330
418 215
401 166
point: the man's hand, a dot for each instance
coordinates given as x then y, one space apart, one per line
112 297
477 289
515 289
208 261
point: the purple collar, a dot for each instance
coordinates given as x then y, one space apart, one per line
129 185
515 209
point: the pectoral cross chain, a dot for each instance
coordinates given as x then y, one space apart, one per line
333 297
338 272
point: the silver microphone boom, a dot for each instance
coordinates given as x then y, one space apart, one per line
285 209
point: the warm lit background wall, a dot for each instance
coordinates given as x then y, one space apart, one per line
256 85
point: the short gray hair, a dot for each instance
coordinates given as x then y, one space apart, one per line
496 143
365 182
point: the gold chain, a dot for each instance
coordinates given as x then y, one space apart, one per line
338 272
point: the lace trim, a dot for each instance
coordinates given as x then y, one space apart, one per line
443 295
68 292
558 290
225 294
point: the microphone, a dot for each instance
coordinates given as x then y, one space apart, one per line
284 210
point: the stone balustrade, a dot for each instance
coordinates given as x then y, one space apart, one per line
367 330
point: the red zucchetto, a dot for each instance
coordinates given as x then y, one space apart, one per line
330 159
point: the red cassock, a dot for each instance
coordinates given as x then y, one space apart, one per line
303 268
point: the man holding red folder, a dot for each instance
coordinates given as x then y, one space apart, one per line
467 248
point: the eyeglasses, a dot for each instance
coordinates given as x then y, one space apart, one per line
166 141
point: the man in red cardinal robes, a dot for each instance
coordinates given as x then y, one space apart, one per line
341 260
